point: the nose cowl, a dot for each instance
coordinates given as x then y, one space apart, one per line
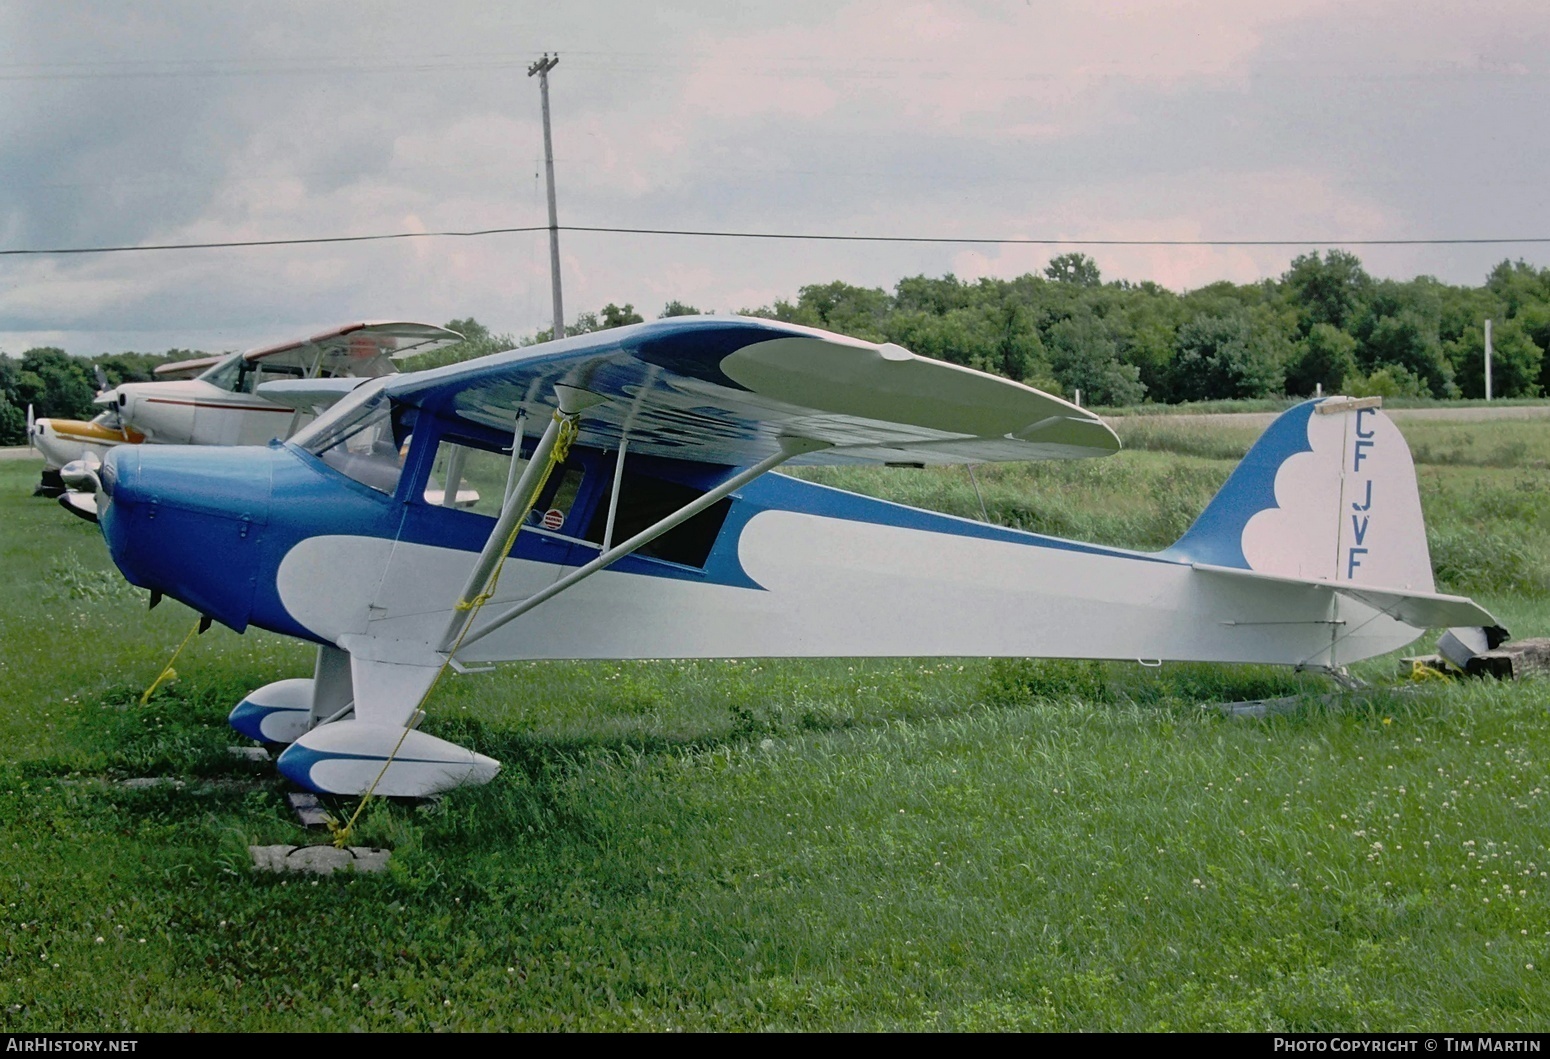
111 470
189 521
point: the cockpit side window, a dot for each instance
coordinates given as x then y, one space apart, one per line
644 501
227 374
556 506
239 375
257 371
469 476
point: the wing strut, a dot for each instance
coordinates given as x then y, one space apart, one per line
789 447
624 443
613 494
516 456
518 502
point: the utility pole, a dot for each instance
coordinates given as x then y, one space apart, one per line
542 68
1487 358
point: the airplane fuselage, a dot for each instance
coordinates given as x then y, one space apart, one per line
62 441
273 537
609 497
196 412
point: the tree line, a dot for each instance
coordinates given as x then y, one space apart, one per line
1324 323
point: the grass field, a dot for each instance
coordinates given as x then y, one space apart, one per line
921 844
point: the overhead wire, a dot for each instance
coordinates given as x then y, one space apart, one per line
708 233
635 64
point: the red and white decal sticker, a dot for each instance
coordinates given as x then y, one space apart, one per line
554 518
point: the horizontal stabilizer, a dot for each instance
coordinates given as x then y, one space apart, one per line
1421 610
81 504
275 713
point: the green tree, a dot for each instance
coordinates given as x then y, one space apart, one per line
1079 270
620 316
136 367
478 341
13 418
1535 320
839 306
1516 361
925 295
1459 308
677 308
1225 356
610 315
1328 290
1326 357
1085 356
56 384
1408 340
1517 283
1390 380
1151 318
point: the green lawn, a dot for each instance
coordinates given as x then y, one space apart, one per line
921 844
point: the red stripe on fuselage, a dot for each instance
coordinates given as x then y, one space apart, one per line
229 407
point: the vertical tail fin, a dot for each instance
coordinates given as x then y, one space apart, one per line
1327 493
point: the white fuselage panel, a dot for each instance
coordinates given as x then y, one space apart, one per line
835 587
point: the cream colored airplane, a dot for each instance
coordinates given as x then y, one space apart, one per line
220 405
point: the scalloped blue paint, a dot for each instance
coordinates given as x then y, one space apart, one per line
1216 537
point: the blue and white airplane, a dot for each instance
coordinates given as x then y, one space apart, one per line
381 532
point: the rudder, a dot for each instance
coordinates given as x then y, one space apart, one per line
1327 493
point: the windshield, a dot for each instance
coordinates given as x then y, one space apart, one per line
225 374
342 417
364 437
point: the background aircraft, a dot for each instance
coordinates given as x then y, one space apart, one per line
220 405
625 474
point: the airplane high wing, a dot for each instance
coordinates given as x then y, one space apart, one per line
725 390
359 349
222 406
356 350
188 369
619 479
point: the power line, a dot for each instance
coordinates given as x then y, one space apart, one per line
1049 242
272 242
634 64
795 236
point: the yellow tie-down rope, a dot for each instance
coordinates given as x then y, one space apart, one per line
168 673
1420 671
569 428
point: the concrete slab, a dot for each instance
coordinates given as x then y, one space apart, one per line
318 860
1514 661
307 808
248 753
1257 708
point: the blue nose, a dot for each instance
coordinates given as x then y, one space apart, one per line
189 522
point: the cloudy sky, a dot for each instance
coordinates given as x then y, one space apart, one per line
164 122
